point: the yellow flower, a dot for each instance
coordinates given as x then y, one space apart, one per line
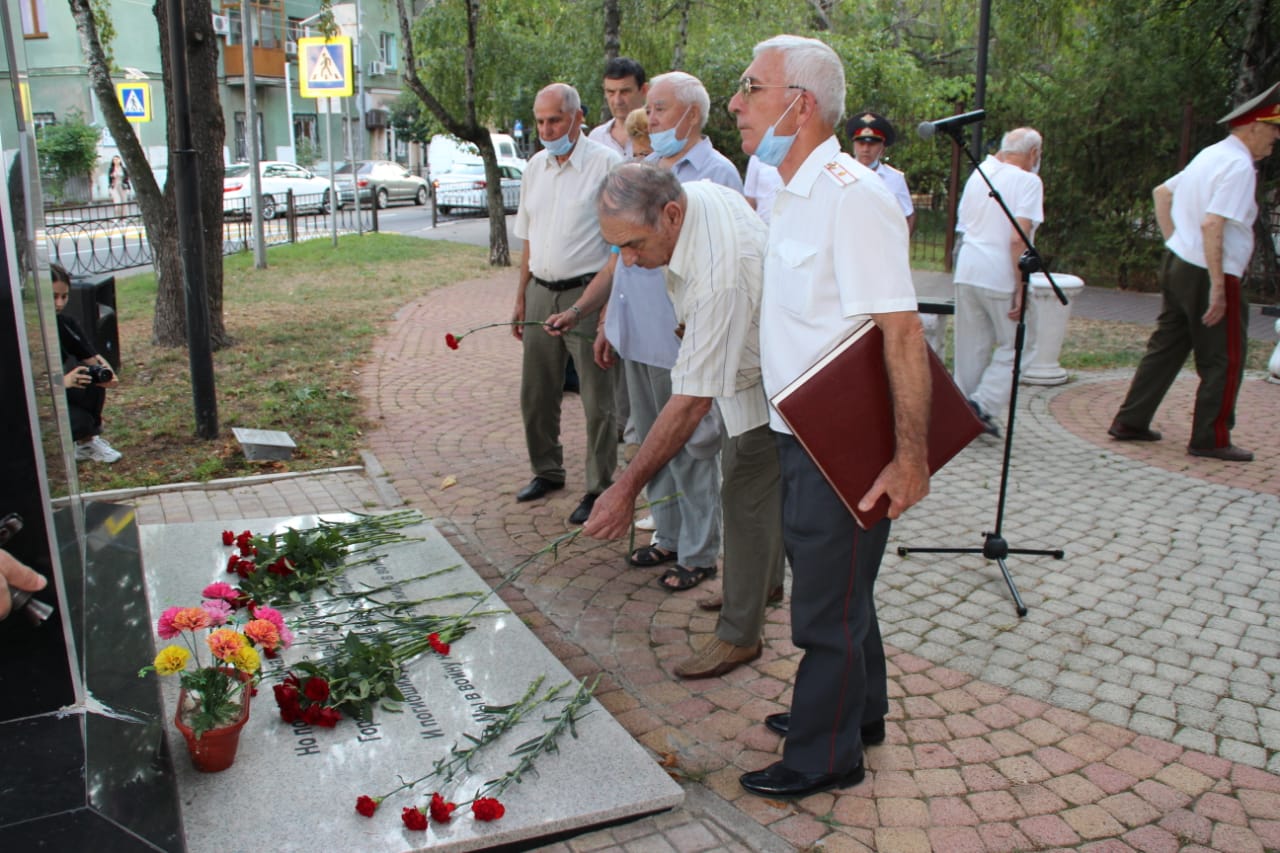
246 659
172 659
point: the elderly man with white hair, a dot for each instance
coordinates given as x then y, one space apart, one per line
988 283
837 254
640 323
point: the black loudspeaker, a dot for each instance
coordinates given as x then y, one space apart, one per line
93 305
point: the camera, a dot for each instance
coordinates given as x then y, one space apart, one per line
99 373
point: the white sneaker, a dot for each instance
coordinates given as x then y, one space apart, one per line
97 450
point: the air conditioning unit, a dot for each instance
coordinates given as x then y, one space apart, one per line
291 48
221 25
377 68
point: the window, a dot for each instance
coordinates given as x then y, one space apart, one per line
305 126
387 49
39 120
34 19
242 141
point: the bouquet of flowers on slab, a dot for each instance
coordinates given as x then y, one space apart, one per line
284 568
216 688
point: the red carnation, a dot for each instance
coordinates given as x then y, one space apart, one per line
328 717
242 541
451 341
233 563
366 805
441 811
440 648
228 538
414 818
487 808
317 689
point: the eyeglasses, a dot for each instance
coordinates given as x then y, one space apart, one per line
747 86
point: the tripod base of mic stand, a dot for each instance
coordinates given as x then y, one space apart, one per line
994 547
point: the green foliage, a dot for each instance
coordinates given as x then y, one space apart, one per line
68 150
411 120
306 152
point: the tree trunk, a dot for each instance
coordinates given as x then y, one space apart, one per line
1253 75
468 127
682 37
157 205
612 42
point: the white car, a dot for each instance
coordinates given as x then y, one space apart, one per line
465 186
310 191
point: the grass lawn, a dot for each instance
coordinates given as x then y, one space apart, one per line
302 329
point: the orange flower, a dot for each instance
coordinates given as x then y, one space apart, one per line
225 643
192 619
264 633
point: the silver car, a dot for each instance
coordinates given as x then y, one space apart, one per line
381 180
464 186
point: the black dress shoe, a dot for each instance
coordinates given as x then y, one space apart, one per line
539 487
1230 453
583 512
1124 432
778 780
872 733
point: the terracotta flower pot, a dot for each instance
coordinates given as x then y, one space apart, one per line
216 749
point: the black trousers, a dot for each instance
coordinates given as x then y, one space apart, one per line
84 405
842 681
1219 354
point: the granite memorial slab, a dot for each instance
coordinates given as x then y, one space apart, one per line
294 787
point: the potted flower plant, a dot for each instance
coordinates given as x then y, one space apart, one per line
213 704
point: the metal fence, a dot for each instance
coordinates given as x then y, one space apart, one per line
102 238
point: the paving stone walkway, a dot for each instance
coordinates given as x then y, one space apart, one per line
1136 706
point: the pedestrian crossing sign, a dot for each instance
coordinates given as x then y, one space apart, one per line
325 67
135 100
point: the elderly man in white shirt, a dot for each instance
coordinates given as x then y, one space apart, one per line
563 252
713 245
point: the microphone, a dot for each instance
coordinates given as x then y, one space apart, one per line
950 124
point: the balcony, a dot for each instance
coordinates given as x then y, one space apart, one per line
269 25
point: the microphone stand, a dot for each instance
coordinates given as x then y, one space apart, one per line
994 546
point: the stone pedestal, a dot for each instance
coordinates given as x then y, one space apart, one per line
1050 317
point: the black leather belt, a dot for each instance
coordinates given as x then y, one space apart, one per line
566 284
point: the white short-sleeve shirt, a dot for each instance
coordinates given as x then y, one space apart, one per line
1221 180
715 281
838 251
897 184
985 259
762 184
557 214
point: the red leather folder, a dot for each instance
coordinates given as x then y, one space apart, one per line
841 413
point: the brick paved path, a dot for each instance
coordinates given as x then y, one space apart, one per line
1136 707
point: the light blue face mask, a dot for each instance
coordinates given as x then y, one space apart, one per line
664 142
557 147
773 149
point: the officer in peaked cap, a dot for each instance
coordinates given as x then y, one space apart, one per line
1206 214
871 133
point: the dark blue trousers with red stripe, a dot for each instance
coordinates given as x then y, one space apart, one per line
842 681
1219 354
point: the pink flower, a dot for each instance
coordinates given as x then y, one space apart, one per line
224 591
270 614
164 625
487 808
219 611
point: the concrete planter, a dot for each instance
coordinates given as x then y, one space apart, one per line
1050 317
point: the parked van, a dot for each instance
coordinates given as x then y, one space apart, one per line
445 150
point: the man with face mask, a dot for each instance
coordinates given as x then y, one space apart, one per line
988 283
562 253
640 323
837 255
